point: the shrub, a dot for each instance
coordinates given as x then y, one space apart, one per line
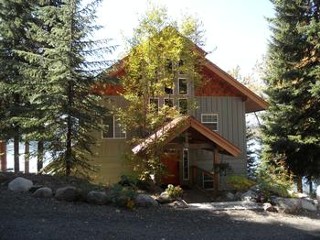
274 179
240 183
174 192
122 196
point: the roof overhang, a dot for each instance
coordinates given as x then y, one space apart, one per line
253 103
179 125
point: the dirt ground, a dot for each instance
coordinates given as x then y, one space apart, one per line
25 217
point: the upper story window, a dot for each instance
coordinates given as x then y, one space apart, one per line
210 120
112 128
182 86
154 104
168 90
168 102
183 105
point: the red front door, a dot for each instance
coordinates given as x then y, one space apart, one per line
171 162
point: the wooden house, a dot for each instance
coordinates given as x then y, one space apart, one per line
214 132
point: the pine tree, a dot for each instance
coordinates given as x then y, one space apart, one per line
159 51
13 91
63 107
292 130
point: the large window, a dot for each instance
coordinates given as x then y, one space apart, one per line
182 86
185 163
210 120
112 128
183 105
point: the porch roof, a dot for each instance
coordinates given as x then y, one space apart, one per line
197 130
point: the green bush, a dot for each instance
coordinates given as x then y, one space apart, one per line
174 192
122 196
274 179
240 183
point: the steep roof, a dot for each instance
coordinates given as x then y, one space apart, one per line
179 125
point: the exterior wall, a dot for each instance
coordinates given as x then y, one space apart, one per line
109 153
231 125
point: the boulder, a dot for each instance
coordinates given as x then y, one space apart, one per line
68 193
97 197
288 205
145 200
230 196
164 198
249 196
308 204
318 194
179 204
269 207
43 192
20 184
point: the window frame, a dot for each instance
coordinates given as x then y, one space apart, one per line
179 108
187 86
211 122
185 164
114 123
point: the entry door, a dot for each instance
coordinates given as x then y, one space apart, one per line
171 162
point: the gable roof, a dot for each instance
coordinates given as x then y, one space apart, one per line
253 102
185 123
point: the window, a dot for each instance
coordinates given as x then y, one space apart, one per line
185 163
112 128
154 104
183 106
207 181
182 86
168 90
210 120
168 102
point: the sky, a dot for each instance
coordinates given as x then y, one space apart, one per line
236 31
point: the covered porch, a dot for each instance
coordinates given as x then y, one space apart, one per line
185 140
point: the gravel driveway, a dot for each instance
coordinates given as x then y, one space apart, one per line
25 217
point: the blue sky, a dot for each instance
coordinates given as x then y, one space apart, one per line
236 30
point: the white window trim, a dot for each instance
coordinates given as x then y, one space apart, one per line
209 122
113 131
179 86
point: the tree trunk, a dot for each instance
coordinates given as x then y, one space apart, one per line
3 156
16 151
299 184
40 155
26 156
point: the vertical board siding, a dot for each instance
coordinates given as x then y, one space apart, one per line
231 125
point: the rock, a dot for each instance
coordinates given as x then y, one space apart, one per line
68 193
249 196
269 207
43 192
230 196
145 200
164 198
20 184
97 197
318 194
288 205
308 205
179 204
35 188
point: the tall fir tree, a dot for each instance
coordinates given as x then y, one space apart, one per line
64 109
13 88
292 132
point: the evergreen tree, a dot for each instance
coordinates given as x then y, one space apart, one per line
159 51
63 107
13 91
292 131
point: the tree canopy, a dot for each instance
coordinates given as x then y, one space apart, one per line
292 131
